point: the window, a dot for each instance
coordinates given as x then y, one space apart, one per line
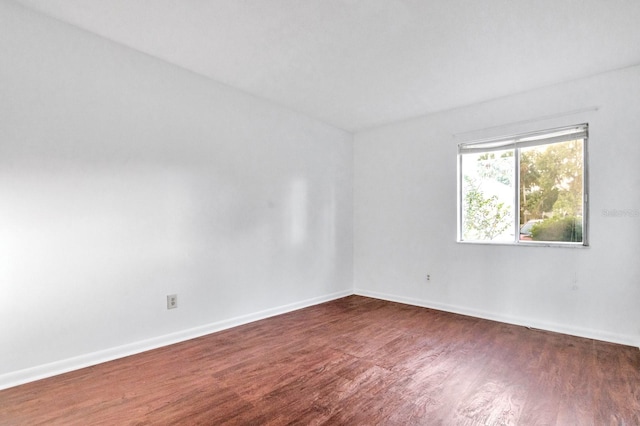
525 189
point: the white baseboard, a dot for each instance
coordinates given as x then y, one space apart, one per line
526 322
27 375
63 366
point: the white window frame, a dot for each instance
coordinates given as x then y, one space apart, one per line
524 140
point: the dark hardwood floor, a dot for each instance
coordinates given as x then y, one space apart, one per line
353 361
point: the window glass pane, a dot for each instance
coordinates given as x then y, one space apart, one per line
487 197
551 191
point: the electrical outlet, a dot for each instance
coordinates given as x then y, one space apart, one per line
428 277
172 301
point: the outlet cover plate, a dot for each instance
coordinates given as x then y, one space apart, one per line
172 301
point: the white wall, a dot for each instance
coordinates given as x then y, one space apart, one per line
124 179
405 215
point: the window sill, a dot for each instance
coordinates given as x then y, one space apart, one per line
527 244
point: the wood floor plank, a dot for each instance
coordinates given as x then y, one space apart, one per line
355 360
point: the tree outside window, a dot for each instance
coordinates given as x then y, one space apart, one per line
543 172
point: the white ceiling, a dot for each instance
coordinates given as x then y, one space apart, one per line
361 63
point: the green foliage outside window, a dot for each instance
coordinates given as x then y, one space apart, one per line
486 217
551 181
567 229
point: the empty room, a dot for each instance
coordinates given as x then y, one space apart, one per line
271 212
